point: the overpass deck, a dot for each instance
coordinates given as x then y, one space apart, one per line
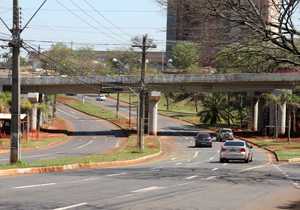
164 83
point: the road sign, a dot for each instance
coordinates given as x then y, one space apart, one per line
207 88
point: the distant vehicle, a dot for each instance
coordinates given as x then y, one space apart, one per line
63 75
45 74
224 134
203 139
101 98
71 94
38 75
236 150
286 69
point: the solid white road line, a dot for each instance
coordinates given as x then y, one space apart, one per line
73 206
84 144
38 185
147 189
191 177
117 174
214 169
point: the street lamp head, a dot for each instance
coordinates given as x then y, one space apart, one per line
115 60
170 61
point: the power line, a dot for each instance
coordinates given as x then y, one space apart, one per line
87 22
106 19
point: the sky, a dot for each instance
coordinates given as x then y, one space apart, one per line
104 24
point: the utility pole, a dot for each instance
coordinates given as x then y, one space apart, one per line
15 154
141 119
15 44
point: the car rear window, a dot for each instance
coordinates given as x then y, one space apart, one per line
225 131
203 135
230 143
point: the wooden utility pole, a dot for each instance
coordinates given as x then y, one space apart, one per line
141 119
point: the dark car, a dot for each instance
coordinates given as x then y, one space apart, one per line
203 139
286 69
45 74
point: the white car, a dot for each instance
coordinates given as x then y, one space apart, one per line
101 98
236 150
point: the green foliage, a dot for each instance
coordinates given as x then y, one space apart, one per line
185 54
21 163
250 57
215 109
26 104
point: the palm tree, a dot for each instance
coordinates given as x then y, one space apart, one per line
277 102
215 109
292 102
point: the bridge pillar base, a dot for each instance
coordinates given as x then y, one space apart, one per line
154 97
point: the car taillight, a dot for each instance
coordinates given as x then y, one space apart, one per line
221 134
209 139
242 150
198 138
223 150
232 135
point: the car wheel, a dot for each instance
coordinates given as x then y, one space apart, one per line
251 158
226 161
221 160
196 145
247 160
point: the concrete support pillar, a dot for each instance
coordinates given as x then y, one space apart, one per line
33 117
261 115
34 99
154 97
281 120
254 113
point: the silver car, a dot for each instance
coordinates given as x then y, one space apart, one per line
236 150
224 134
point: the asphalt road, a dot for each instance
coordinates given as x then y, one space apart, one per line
90 136
184 177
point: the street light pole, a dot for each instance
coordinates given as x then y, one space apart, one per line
118 94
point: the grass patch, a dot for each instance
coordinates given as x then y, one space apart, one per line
97 111
128 153
273 143
288 154
33 143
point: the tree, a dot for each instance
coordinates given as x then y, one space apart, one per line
292 102
55 56
185 54
215 109
127 56
249 23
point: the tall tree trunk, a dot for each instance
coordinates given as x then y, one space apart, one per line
228 111
276 116
167 97
289 125
196 101
241 114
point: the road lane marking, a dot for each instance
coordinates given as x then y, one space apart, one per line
173 158
247 169
225 164
191 177
177 133
211 177
147 189
73 206
117 174
38 185
196 154
178 164
214 169
67 113
84 144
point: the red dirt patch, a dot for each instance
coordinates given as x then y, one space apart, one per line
64 100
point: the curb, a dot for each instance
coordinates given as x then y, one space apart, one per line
23 171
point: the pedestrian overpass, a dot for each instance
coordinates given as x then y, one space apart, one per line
253 84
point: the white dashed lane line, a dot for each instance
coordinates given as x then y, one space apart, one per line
73 206
37 185
214 169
